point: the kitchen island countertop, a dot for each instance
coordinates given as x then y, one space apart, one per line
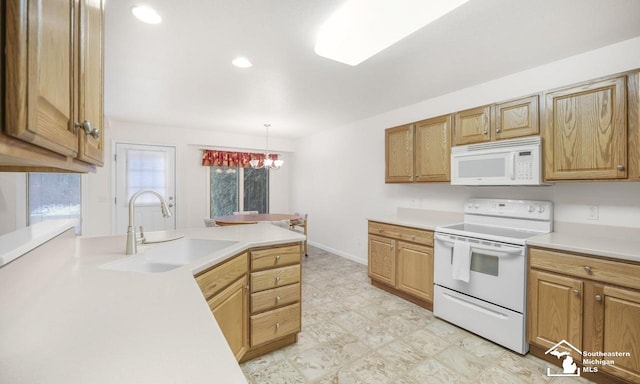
64 319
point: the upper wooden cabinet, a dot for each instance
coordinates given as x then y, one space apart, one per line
472 126
432 148
419 152
507 120
585 131
398 144
516 118
53 105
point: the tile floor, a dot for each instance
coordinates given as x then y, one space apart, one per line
353 332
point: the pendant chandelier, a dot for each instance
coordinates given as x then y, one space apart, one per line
268 162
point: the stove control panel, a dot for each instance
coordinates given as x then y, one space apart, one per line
521 209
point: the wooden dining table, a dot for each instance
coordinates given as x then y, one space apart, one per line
253 219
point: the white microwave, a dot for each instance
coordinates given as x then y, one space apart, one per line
506 162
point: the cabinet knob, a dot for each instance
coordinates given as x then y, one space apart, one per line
485 132
598 298
88 129
246 287
498 130
379 230
277 299
277 279
587 269
576 292
278 258
277 325
620 167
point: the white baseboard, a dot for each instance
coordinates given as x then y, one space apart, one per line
339 253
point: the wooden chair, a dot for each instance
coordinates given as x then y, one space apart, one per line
301 223
237 213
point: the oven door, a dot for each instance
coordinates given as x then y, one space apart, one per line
498 271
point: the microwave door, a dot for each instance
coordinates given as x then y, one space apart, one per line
483 169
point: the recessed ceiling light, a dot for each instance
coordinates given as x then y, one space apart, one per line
146 14
241 62
362 28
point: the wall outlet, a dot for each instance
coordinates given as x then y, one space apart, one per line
593 212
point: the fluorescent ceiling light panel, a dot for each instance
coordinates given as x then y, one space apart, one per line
146 14
362 28
241 62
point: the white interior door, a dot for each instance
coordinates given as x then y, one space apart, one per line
141 167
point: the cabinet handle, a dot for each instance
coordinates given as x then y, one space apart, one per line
277 325
620 167
277 299
587 269
88 130
277 258
598 298
413 237
379 230
277 279
576 292
246 287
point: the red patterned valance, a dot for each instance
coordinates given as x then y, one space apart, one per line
232 159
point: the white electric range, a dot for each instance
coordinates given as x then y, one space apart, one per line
489 296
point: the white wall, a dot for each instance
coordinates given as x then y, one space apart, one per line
191 177
339 173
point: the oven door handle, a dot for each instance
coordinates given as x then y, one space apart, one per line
494 251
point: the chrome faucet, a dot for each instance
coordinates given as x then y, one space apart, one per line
132 241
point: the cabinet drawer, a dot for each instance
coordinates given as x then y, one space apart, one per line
275 257
607 271
217 278
418 236
275 324
276 297
273 278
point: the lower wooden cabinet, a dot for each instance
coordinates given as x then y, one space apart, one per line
401 261
414 264
592 303
230 308
255 298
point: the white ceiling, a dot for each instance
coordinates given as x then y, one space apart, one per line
179 72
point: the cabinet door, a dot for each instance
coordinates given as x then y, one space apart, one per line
415 270
433 149
555 310
91 80
586 131
472 126
620 331
382 259
231 310
399 154
40 90
516 118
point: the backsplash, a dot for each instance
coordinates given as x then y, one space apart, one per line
602 203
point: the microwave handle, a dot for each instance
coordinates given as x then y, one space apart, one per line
512 165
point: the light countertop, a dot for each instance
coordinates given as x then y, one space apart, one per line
422 219
63 319
621 243
597 240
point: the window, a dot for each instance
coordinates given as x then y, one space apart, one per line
238 189
53 196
